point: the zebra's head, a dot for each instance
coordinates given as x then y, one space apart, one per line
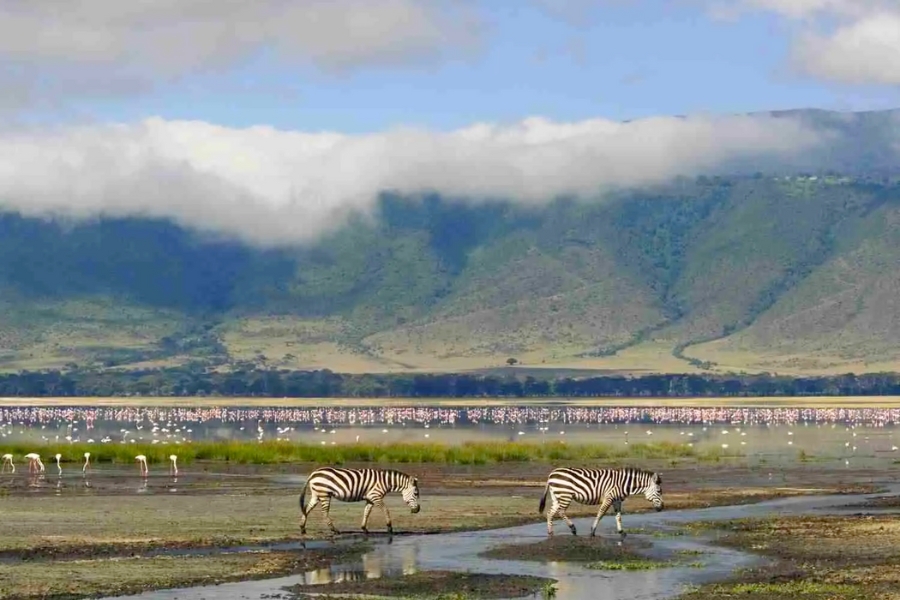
653 492
410 494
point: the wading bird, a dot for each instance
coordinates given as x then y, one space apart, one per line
174 467
58 466
34 463
7 460
142 460
87 462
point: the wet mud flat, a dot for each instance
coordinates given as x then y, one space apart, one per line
85 578
77 536
602 554
853 556
433 584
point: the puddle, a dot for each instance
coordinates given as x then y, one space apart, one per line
459 552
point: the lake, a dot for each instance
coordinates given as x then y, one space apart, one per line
825 432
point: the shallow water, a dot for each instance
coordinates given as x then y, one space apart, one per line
851 433
459 552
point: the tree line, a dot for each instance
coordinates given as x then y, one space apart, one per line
277 383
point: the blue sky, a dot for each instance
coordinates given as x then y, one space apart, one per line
616 60
273 120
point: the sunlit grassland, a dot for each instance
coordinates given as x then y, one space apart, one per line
49 335
275 452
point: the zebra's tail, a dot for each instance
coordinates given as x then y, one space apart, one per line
303 497
544 498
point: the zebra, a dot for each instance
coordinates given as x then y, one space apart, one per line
606 487
355 485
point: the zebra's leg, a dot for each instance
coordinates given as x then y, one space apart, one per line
563 505
387 515
325 504
313 500
604 506
617 506
551 512
366 513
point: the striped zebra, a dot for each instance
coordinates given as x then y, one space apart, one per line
355 485
606 487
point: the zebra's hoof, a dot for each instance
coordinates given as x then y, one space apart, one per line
623 534
574 532
365 531
303 531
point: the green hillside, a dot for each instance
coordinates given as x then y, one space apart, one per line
757 273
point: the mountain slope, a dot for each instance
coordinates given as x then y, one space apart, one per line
846 314
759 272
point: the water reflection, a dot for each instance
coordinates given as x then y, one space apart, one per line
372 565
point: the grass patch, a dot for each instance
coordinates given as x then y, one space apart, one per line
436 585
273 452
641 564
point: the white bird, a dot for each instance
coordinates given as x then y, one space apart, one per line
34 462
174 469
58 466
143 464
87 462
7 459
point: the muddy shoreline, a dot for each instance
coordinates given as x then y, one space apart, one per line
431 584
853 556
71 541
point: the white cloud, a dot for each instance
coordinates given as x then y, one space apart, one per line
865 51
269 186
845 41
47 48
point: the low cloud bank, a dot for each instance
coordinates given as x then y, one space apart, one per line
268 186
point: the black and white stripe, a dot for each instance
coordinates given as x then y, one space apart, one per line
606 487
356 485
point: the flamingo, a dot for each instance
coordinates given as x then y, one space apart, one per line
34 461
174 469
7 458
58 466
143 464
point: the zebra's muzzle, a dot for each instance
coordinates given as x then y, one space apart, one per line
415 510
658 507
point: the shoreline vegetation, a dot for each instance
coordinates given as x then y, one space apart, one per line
889 401
277 452
200 380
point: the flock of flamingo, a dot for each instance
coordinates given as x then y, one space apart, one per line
35 465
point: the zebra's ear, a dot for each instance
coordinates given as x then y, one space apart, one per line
657 479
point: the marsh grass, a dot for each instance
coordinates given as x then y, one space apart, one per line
274 452
636 564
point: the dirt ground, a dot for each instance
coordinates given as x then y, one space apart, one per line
31 579
81 535
826 557
432 584
565 548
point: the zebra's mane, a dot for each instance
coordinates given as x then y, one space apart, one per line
406 478
641 473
